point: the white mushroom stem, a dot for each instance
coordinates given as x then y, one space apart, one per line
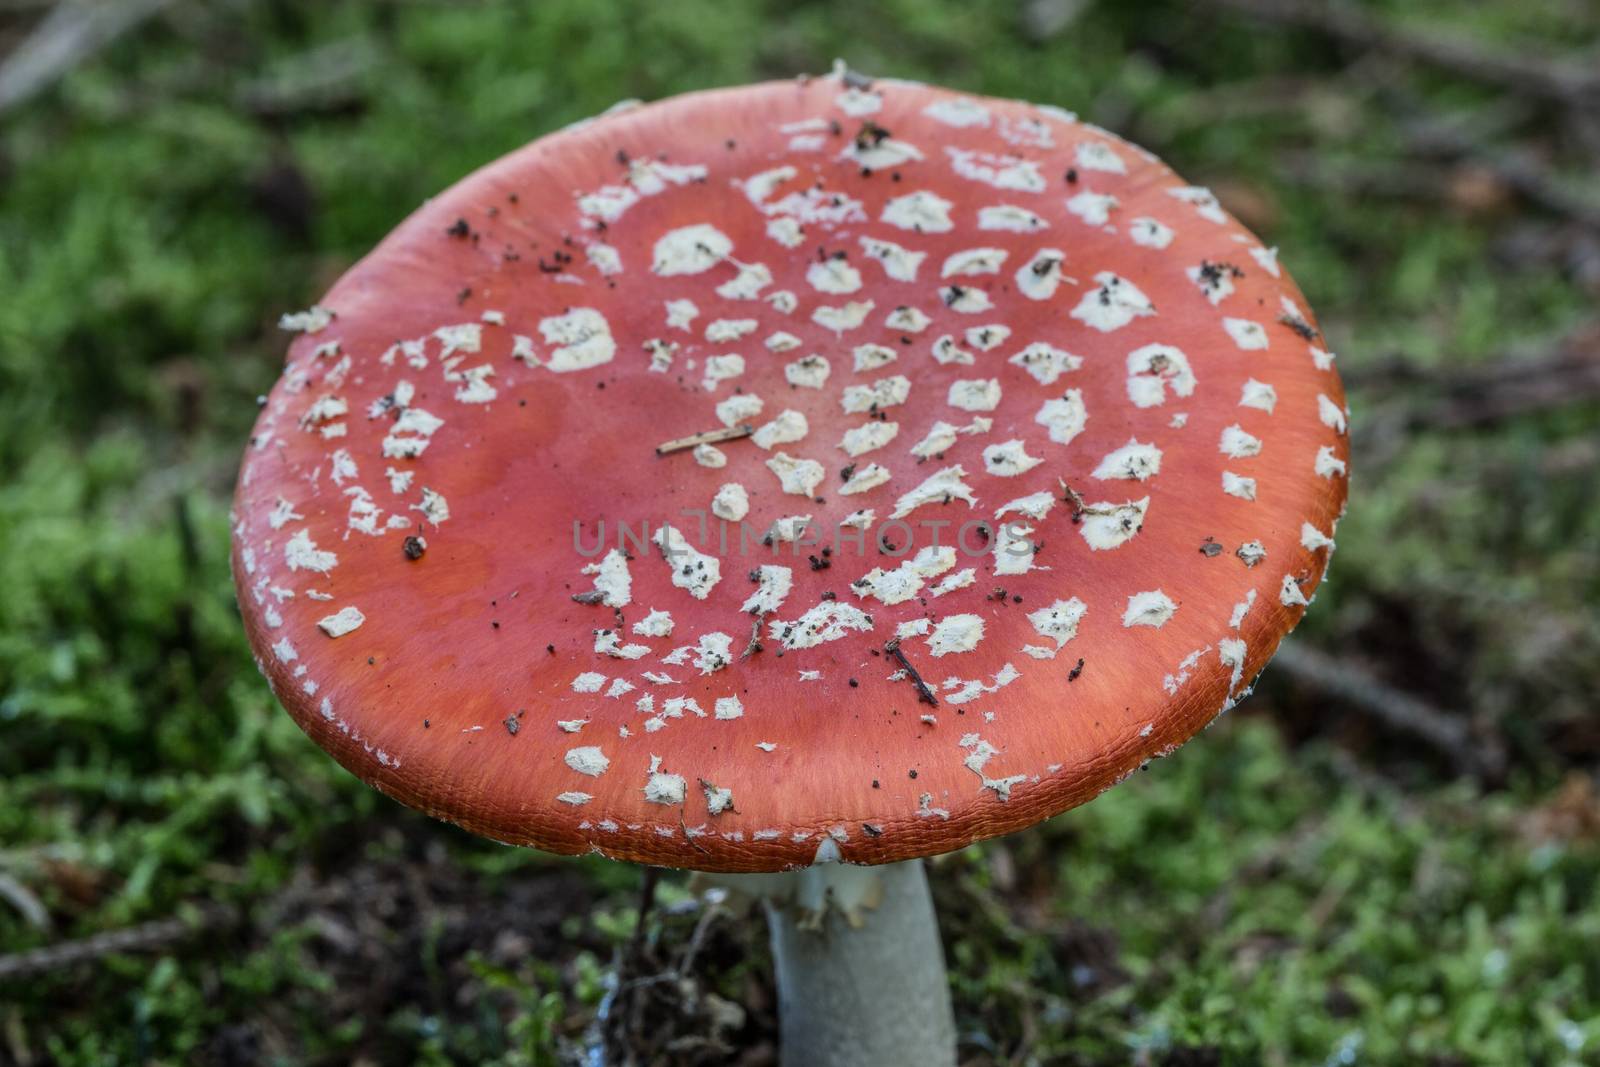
861 978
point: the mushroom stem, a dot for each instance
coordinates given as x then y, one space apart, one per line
861 977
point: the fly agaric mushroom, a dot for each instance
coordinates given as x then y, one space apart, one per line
792 481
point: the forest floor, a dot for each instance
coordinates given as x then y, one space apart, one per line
1389 855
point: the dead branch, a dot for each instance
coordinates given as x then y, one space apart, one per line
144 937
70 34
1573 84
1395 709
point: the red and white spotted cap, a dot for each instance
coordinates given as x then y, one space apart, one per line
1030 456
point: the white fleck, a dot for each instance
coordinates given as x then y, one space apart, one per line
868 436
941 488
797 476
680 313
941 436
808 372
722 330
987 338
965 299
1064 417
301 553
1045 362
690 250
789 426
731 502
1241 609
656 624
691 569
588 760
1237 444
1002 172
921 211
1258 395
1268 260
588 682
955 633
959 580
574 798
603 257
782 301
789 528
1153 369
582 338
1034 505
1327 464
974 394
1093 208
905 581
957 111
1106 525
311 320
1249 336
1009 459
1113 305
828 621
899 263
1149 233
760 186
1059 621
883 393
782 341
1331 414
1312 538
840 319
860 481
738 408
973 261
1215 280
1251 553
1097 155
661 788
1205 204
773 585
1289 594
1152 608
946 351
434 507
833 275
721 368
871 356
710 456
907 319
1039 278
1239 486
1231 651
341 623
1009 218
857 102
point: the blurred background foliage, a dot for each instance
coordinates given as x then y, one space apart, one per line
1391 854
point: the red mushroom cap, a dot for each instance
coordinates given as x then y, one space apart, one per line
451 532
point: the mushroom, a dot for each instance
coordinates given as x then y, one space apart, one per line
1038 452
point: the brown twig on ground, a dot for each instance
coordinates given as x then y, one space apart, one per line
71 33
1395 709
1482 395
1569 83
144 937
